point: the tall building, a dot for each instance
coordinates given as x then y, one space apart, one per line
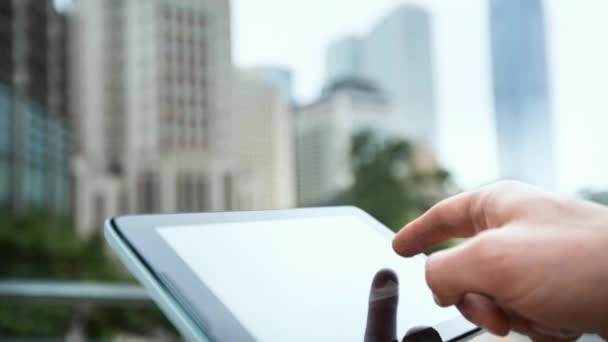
34 127
344 60
324 132
155 118
266 139
521 91
397 56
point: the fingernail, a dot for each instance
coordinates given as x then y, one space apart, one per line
389 290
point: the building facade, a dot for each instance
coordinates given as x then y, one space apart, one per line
156 123
344 60
397 56
266 136
34 125
521 91
324 133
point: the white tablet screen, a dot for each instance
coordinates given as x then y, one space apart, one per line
302 279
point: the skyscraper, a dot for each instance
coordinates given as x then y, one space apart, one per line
344 60
155 118
521 91
34 126
397 57
263 106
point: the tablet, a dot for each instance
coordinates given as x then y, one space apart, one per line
285 275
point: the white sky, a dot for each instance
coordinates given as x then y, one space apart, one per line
296 33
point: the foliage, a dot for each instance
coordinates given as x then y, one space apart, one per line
600 197
42 246
379 187
388 185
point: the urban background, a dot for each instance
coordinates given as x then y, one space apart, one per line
112 107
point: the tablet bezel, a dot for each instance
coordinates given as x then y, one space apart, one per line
139 234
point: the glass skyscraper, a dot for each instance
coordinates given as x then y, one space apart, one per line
41 159
521 91
397 57
35 142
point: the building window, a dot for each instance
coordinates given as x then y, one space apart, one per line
202 194
178 192
228 192
4 183
99 209
148 194
123 203
185 193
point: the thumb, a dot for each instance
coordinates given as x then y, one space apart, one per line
479 265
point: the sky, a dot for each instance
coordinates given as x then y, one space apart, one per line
296 34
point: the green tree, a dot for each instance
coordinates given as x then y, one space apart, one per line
389 185
600 197
380 186
43 246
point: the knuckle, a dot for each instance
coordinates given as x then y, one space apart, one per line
488 247
494 262
493 203
480 207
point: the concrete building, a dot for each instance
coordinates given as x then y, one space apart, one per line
34 128
397 56
324 132
521 91
266 136
155 123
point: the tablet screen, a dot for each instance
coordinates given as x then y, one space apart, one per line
303 279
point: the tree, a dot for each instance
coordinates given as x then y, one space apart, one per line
43 246
388 183
600 197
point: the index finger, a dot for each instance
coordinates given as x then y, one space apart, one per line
458 216
382 311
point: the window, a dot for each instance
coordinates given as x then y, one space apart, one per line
202 194
99 208
185 193
148 194
228 192
5 121
123 203
4 182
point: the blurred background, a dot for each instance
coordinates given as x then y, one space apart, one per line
111 107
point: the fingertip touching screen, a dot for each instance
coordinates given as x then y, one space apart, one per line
304 279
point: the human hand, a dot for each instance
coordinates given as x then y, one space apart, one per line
536 264
382 313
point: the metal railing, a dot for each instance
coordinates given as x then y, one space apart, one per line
74 293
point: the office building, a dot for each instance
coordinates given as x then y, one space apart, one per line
34 127
521 91
344 60
266 136
397 56
324 132
156 123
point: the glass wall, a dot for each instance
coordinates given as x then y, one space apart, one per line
5 143
43 166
